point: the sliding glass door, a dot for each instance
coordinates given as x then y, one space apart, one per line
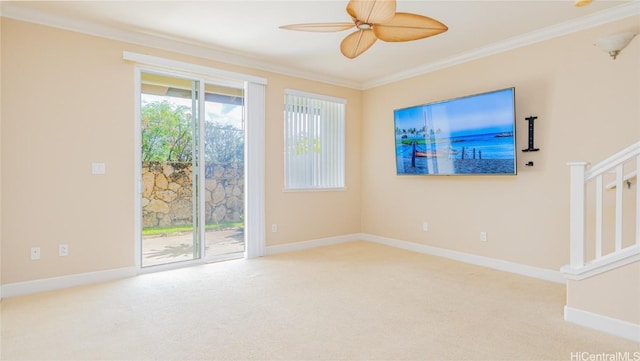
224 171
192 169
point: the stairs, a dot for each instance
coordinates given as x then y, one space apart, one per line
622 167
603 276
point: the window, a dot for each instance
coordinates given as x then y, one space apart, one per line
314 141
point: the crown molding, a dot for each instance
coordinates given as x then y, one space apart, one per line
568 27
207 51
164 42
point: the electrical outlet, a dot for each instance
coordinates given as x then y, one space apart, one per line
35 253
63 250
274 228
98 168
425 226
483 236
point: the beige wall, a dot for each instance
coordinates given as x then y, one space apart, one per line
302 216
588 108
615 294
67 101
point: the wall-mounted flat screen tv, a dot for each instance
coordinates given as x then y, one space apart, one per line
472 135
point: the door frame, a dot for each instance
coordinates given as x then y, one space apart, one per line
254 98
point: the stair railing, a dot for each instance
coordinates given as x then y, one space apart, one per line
580 176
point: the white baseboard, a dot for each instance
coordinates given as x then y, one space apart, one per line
49 284
613 326
320 242
530 271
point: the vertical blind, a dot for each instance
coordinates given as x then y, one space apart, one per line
314 141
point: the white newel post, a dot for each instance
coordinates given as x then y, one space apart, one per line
577 213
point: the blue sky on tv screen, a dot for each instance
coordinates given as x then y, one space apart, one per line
485 113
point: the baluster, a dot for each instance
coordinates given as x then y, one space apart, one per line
598 216
619 189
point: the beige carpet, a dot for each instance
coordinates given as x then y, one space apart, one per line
357 301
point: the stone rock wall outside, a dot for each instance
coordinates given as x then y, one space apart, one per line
167 193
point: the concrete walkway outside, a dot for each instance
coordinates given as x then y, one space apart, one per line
162 249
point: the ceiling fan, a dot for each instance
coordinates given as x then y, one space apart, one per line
373 20
580 3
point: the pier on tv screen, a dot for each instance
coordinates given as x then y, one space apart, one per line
472 135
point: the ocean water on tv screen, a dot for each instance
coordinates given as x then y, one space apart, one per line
474 154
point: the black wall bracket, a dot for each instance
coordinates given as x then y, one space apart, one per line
531 147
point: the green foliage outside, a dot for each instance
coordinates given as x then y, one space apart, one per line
302 146
151 231
166 132
167 136
223 143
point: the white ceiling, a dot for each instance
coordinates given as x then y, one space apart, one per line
246 32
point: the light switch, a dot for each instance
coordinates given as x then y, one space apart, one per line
98 168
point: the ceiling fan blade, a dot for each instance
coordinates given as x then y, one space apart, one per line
319 27
357 43
372 11
406 27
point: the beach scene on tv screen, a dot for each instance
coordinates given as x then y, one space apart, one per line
470 135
